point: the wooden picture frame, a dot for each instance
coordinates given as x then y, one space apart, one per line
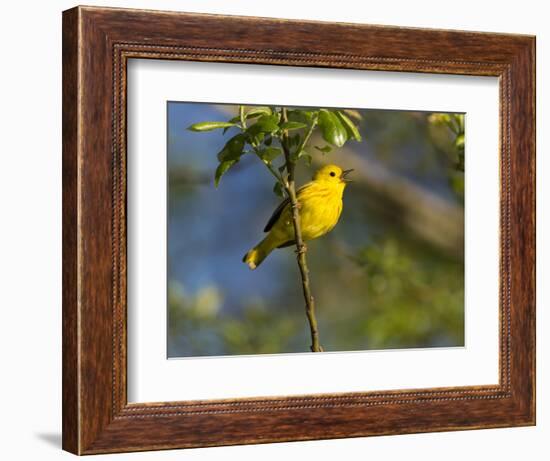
97 43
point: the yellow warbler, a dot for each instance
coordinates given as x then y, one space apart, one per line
320 206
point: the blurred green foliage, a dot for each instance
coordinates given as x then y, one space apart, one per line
451 128
414 297
200 326
410 296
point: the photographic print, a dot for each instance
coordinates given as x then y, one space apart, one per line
313 229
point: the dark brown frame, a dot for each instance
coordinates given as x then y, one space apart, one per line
97 43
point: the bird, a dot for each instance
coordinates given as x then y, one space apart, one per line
320 204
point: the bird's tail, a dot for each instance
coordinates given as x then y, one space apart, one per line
257 254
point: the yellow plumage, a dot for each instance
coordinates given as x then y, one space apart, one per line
320 207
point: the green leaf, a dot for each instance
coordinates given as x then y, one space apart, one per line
351 129
292 126
353 113
270 153
439 118
456 123
298 155
257 112
307 157
233 148
325 149
210 126
265 124
459 141
222 169
460 121
278 189
302 116
332 128
257 139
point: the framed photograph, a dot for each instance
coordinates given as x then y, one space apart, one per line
286 230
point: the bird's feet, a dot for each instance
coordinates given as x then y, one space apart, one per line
301 249
298 205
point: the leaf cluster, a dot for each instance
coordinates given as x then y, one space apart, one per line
455 123
265 133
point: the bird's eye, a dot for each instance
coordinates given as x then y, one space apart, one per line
332 173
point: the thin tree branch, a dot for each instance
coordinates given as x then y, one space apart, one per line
269 166
241 116
290 187
307 136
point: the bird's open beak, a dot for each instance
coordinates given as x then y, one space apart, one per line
344 176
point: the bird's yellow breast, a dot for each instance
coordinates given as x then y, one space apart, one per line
320 208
